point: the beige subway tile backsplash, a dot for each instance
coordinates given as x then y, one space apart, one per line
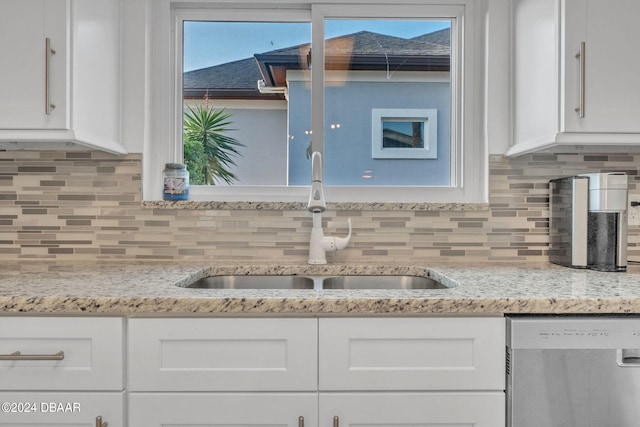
86 205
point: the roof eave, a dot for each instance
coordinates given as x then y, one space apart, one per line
218 93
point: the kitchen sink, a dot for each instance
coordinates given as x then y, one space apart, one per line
381 282
253 282
316 282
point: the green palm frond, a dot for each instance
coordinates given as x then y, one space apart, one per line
209 126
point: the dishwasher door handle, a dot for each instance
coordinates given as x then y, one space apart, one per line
629 357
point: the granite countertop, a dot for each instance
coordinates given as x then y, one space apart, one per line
145 288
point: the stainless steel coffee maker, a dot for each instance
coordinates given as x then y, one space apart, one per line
588 221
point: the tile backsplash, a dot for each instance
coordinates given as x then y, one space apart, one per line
86 205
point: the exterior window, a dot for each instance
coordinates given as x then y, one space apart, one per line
235 75
404 134
383 96
386 81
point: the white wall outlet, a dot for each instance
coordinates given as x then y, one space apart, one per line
633 217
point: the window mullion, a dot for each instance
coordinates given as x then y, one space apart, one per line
317 78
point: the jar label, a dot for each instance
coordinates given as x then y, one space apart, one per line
175 185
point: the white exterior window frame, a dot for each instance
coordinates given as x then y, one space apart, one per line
468 147
427 116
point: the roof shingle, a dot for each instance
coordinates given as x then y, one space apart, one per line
243 74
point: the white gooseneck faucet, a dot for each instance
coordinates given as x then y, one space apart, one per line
320 244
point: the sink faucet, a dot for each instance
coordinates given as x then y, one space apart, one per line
320 244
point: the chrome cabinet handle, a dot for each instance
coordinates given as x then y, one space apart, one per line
16 355
300 421
99 422
47 75
581 57
336 421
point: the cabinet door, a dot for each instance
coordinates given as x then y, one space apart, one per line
61 409
611 33
412 354
24 26
61 353
482 409
219 409
223 354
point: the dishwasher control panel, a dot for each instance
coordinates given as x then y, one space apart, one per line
573 332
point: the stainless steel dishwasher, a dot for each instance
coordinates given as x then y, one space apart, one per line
573 371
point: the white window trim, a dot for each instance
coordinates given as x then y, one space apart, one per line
429 119
468 174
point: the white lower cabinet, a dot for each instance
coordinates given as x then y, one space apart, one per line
327 372
230 354
77 409
61 353
395 372
411 354
223 409
62 371
434 409
478 409
252 372
245 372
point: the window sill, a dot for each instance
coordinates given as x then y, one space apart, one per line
294 206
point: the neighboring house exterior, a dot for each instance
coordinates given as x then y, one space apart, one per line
365 71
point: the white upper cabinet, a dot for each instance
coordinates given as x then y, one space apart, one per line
24 28
576 67
68 92
610 32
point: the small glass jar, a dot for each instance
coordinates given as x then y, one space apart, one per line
175 177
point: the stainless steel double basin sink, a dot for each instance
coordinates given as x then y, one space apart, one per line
316 282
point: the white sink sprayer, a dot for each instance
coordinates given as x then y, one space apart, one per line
320 244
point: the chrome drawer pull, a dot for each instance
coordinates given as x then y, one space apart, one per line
16 355
99 422
336 421
300 421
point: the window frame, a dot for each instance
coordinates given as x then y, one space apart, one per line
427 116
468 148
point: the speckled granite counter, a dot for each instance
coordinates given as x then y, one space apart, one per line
342 206
154 289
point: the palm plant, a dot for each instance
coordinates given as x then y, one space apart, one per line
207 127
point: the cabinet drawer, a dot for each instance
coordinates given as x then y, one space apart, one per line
223 409
223 354
477 409
92 356
31 409
412 354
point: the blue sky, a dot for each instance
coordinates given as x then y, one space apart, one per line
212 43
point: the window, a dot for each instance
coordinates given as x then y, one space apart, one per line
238 70
386 92
389 63
404 134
